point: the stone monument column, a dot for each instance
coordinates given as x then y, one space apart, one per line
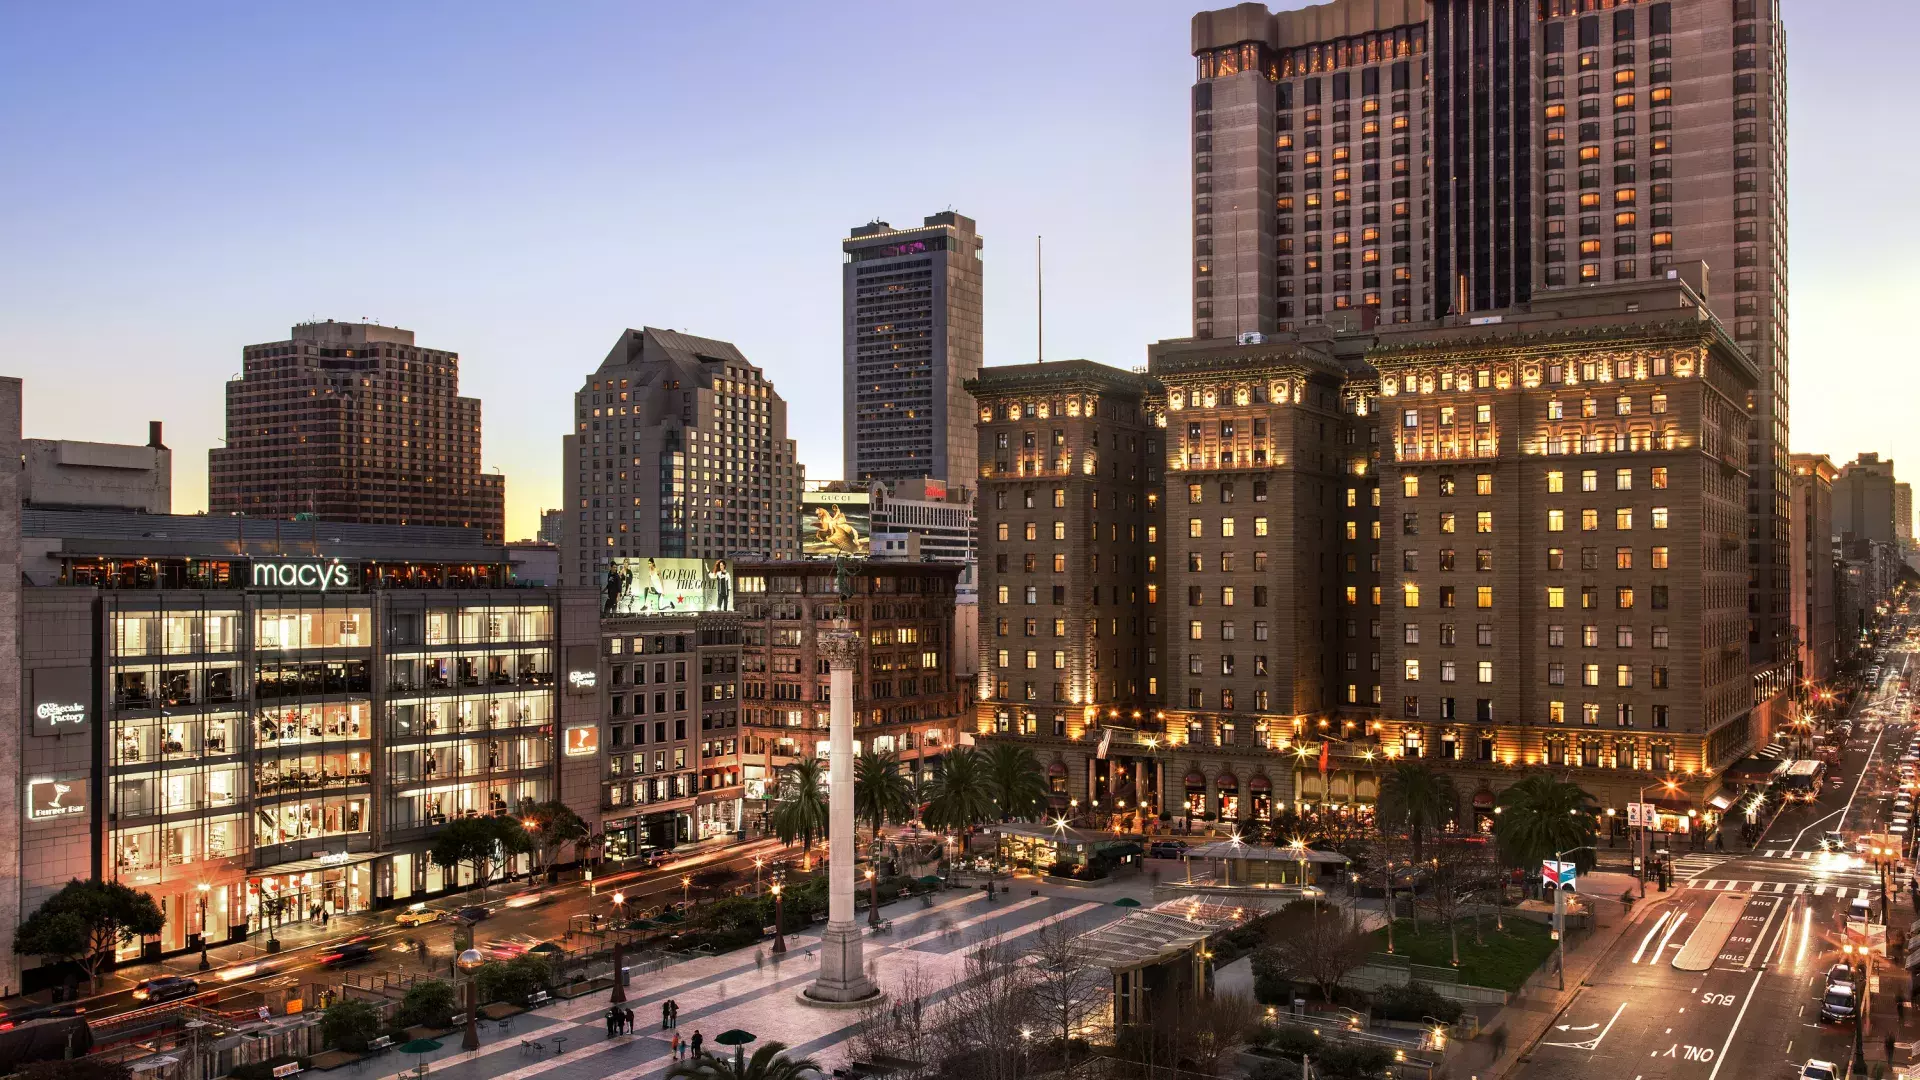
843 976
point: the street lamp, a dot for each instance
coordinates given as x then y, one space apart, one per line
620 905
779 927
469 962
1560 913
758 862
1859 1005
686 888
204 890
873 898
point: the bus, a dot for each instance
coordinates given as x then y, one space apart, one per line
1802 779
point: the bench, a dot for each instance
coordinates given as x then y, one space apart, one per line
384 1042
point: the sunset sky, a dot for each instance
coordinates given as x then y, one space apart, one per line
519 183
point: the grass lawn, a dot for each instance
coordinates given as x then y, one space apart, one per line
1505 960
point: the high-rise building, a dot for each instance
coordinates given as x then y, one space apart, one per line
1255 575
551 522
1400 160
1903 514
70 475
1814 616
679 449
912 331
1863 500
354 422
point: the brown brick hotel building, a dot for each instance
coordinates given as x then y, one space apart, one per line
354 422
1503 543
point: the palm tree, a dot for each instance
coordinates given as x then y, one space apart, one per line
802 813
880 792
770 1062
963 795
1540 817
1416 799
1019 783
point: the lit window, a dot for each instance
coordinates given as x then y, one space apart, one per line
1556 596
1660 558
1659 476
1623 517
1411 670
1410 486
1623 479
1410 595
1484 596
1556 480
1556 519
1486 671
1663 240
1659 517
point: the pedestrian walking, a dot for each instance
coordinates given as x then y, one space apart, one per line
676 1046
666 1015
324 916
1499 1043
627 1019
1889 1047
675 1002
759 960
696 1041
611 1013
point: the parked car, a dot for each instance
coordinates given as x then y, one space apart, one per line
1167 849
1838 1004
166 988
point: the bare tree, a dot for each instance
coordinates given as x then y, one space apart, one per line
901 1026
1067 990
1319 946
989 1004
1460 872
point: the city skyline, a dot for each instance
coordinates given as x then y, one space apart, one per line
148 192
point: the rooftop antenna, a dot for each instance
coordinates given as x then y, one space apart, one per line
1040 295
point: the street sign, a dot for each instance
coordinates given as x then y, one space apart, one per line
1557 874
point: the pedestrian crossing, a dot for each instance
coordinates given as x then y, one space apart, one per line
1790 888
1692 866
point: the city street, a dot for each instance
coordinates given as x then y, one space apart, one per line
1724 976
512 916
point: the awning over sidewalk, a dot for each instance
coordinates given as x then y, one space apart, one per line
324 862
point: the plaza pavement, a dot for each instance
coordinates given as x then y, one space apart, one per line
750 989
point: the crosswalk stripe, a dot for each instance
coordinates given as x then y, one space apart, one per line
1778 886
1819 890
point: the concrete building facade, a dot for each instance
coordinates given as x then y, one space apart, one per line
354 422
670 689
1815 617
906 698
679 449
1864 500
913 323
283 712
67 474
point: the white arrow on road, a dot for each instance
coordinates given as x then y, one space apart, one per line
1570 1027
1593 1043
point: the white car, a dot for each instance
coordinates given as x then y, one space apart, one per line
1815 1069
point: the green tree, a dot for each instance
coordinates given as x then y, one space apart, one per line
1019 783
880 791
769 1062
1416 800
552 826
85 921
350 1024
429 1003
515 980
482 842
1539 816
802 812
963 795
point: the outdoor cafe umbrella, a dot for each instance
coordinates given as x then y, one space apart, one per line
420 1048
737 1039
547 947
1126 901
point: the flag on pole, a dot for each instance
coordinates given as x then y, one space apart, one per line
1106 740
1326 752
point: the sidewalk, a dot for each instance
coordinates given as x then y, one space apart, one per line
1530 1014
297 935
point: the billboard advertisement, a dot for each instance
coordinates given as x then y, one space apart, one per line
836 523
62 700
583 741
657 585
49 797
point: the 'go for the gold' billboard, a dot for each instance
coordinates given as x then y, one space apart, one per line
658 585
